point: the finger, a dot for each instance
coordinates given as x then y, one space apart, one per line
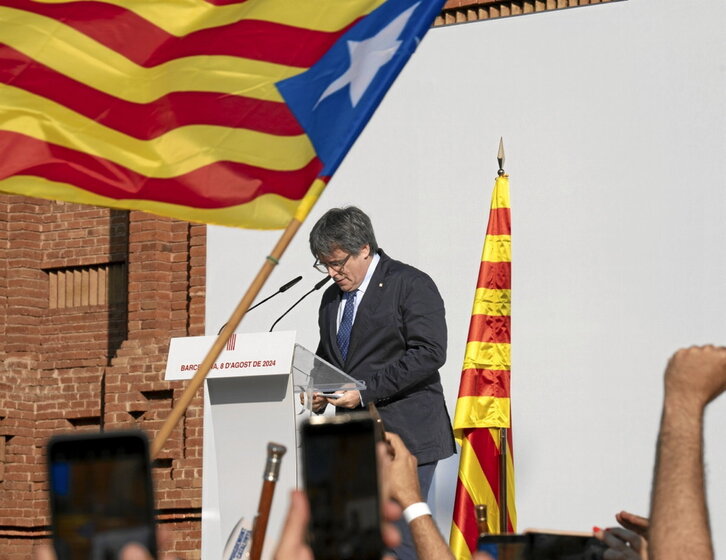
613 541
384 466
633 518
292 543
165 541
392 511
164 538
134 551
396 444
43 552
634 522
297 518
391 535
629 538
619 550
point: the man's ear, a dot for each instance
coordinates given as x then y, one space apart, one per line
367 249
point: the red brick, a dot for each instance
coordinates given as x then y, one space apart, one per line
52 361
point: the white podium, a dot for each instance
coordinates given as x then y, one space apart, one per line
249 400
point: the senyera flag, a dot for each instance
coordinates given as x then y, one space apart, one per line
230 112
483 406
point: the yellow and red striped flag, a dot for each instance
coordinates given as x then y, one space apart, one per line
233 112
483 405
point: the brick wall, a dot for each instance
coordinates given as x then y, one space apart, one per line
462 11
89 298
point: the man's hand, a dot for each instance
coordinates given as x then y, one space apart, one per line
696 374
348 399
623 544
636 523
292 545
318 404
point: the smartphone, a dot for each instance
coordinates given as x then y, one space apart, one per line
101 494
505 547
340 474
546 546
542 546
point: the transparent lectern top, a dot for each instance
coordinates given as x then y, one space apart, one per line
312 373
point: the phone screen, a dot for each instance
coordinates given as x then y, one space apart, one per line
101 494
505 547
546 546
542 546
341 481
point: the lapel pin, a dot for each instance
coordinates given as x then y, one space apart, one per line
380 285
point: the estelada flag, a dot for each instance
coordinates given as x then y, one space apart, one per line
483 405
230 112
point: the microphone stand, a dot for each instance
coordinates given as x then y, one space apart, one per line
282 288
316 287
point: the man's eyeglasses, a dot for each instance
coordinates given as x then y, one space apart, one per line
337 266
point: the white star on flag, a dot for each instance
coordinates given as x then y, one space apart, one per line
368 56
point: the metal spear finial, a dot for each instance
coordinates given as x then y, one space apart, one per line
500 157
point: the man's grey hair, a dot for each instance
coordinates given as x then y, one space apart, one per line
348 229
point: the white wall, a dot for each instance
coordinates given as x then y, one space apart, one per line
615 131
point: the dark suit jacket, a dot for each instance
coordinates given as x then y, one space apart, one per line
397 345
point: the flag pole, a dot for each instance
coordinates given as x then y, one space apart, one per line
236 318
502 431
502 480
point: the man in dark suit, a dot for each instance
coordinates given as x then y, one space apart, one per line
383 323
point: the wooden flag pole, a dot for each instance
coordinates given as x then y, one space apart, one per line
195 382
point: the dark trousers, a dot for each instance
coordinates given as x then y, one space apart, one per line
407 550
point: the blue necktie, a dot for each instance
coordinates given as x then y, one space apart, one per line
346 323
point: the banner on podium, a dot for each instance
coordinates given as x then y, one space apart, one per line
245 355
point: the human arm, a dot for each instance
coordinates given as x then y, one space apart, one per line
679 526
404 488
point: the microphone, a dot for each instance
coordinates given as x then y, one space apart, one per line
316 287
281 289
